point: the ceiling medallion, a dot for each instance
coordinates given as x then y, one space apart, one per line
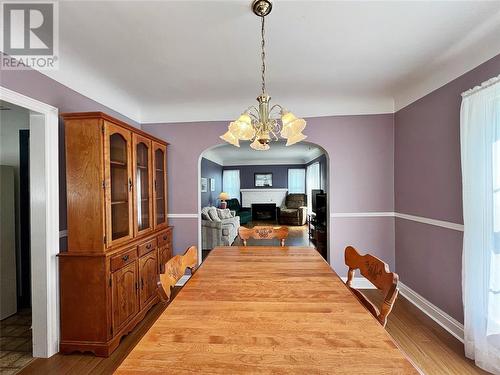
264 123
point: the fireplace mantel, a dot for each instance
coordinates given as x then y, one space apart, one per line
263 195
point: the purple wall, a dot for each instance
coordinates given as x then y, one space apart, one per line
40 87
428 184
209 169
280 174
360 151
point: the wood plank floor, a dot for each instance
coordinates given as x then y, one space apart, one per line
425 342
428 345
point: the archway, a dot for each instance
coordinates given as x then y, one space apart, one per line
325 183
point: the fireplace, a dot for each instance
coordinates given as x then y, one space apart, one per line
264 211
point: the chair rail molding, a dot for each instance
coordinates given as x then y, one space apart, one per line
182 216
418 219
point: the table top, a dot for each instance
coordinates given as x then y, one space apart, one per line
279 310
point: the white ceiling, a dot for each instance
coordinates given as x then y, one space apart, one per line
172 61
299 153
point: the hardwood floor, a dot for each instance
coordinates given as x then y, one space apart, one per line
428 345
82 364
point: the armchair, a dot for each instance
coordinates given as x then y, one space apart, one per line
245 214
294 210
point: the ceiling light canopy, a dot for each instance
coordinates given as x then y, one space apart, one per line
264 123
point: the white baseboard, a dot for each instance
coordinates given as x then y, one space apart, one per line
449 323
183 280
360 283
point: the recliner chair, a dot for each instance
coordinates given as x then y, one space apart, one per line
294 210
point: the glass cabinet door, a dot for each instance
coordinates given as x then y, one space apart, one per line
118 183
143 208
160 182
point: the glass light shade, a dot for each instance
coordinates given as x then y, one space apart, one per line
291 125
223 196
295 138
242 128
229 137
256 145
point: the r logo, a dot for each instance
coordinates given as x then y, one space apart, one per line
28 29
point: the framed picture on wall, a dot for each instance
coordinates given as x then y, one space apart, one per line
263 179
204 185
212 184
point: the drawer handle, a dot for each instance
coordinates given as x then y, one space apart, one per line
148 246
125 258
164 237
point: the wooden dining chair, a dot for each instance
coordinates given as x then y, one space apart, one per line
263 233
377 272
174 270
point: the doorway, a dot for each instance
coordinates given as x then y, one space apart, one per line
15 257
239 174
34 237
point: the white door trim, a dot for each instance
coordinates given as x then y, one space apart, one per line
44 210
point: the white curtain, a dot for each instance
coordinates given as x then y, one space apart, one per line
296 180
312 182
231 183
480 147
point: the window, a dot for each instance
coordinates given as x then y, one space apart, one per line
231 183
312 182
496 195
480 148
296 180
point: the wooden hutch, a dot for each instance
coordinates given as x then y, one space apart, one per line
118 233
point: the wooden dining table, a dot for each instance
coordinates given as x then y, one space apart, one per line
266 310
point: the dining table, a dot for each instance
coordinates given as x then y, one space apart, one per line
266 310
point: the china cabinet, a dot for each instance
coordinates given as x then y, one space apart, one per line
118 234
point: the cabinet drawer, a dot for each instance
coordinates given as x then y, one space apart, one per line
146 247
163 239
121 260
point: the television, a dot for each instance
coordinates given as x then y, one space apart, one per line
320 209
314 193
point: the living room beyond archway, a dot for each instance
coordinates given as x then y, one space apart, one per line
284 186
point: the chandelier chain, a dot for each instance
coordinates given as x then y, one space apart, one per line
263 55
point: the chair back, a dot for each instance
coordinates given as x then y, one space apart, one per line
174 270
263 233
377 272
295 200
233 204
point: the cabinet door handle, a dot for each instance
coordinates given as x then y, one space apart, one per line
130 184
164 237
125 258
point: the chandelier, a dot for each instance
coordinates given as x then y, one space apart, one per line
265 122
